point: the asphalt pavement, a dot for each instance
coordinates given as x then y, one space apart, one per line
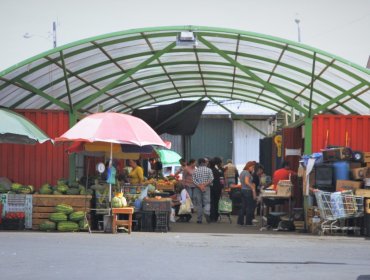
176 255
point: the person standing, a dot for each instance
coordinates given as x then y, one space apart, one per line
187 177
217 186
284 173
202 178
231 173
137 173
249 195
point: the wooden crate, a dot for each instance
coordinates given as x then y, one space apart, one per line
44 205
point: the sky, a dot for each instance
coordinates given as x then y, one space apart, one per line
340 27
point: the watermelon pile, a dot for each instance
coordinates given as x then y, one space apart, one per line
65 219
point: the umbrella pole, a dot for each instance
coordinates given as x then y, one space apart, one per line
110 184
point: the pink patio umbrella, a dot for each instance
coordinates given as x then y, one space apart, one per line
112 128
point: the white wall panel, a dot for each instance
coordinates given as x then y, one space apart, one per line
246 141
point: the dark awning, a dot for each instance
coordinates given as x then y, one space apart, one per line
180 118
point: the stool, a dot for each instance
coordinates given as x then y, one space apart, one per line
116 223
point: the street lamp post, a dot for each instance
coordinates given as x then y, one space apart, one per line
53 34
297 21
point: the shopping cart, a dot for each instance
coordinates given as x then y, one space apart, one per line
336 209
225 206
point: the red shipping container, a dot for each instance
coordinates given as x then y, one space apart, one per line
40 163
341 130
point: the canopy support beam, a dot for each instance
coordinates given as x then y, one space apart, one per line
72 156
246 70
66 81
39 92
339 97
234 115
178 113
129 73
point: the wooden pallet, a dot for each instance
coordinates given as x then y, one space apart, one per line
44 205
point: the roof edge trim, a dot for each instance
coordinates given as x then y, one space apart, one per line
181 28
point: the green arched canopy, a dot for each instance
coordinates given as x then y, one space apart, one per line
126 70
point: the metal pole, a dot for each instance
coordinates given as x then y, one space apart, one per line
297 21
54 34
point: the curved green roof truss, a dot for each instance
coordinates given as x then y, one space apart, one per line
126 70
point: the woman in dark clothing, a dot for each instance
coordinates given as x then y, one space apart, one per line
216 166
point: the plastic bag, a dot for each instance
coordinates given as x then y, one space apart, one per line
225 205
185 208
144 193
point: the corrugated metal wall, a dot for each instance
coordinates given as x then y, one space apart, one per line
213 137
341 130
176 142
41 163
247 141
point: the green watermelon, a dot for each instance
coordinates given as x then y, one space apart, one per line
64 208
67 226
58 217
48 225
73 191
62 188
77 216
16 187
3 189
45 189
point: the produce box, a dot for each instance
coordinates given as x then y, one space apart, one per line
44 205
165 186
154 204
363 192
345 185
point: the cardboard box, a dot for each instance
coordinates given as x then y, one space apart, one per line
363 192
353 165
359 173
367 206
284 188
345 185
367 157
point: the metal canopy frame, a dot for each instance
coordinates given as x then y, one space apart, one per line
127 70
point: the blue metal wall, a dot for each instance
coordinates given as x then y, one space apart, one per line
213 137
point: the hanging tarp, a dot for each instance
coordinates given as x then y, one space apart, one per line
163 119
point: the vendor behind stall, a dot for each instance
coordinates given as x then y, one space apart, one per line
137 173
156 168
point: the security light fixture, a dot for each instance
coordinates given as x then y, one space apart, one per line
186 38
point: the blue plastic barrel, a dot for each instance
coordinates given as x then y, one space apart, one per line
341 170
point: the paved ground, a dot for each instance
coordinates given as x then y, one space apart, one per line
175 255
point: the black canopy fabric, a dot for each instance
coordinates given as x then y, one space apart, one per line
162 121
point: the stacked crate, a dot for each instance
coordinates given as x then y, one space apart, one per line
44 205
18 203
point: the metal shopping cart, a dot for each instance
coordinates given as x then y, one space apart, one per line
336 209
225 206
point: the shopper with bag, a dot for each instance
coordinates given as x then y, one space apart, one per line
182 204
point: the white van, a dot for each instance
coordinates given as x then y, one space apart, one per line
171 169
